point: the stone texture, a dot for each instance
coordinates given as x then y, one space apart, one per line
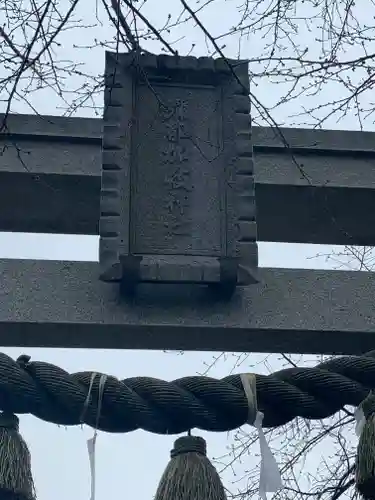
64 304
177 177
56 162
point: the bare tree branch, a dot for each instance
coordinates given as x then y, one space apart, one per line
300 50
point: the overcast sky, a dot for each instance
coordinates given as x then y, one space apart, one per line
130 465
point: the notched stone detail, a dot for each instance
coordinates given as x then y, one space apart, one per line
177 196
115 167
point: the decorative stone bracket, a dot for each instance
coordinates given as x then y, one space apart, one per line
177 195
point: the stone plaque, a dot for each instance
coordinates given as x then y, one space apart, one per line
177 197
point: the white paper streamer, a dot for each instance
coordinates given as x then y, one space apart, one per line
91 443
270 477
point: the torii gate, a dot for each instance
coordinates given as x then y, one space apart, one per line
170 186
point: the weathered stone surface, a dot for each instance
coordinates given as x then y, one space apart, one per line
63 304
178 193
55 162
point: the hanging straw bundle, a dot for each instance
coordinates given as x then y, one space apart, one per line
16 482
190 475
365 463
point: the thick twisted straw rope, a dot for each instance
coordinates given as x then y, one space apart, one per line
52 394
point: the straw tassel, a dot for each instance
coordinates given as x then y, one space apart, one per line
365 462
16 482
190 475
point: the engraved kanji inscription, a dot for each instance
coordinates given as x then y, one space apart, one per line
177 178
183 129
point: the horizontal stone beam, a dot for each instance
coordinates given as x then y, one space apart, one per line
63 304
319 189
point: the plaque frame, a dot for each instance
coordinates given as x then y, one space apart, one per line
237 261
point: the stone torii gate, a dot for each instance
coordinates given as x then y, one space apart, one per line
319 189
179 188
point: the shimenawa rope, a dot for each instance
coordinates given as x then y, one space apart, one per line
161 407
52 394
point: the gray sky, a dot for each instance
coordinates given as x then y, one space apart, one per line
131 465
